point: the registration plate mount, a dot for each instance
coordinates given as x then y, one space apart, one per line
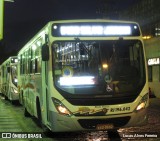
104 126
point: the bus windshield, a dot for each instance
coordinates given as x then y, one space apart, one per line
98 67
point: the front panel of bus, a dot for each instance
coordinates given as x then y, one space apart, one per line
9 78
100 75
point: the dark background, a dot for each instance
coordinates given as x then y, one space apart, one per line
24 18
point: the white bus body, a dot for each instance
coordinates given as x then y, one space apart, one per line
0 80
9 78
79 75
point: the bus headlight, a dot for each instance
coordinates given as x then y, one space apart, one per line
15 90
142 104
15 80
60 107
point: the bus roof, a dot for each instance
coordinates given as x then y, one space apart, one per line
92 20
50 23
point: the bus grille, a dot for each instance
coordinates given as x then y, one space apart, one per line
92 123
101 101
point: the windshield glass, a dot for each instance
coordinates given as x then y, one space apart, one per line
99 67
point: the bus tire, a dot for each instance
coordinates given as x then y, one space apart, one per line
21 101
13 102
26 113
5 97
39 116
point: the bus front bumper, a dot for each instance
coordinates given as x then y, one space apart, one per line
61 123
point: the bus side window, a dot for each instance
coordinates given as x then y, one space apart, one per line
38 60
22 64
33 65
26 62
32 60
29 61
35 60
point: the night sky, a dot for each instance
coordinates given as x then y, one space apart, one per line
24 18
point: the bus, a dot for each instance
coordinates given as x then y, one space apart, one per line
8 79
77 75
0 80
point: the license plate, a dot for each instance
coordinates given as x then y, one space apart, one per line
104 126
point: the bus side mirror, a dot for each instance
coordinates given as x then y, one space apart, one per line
45 52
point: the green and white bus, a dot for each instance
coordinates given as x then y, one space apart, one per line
76 75
8 79
0 79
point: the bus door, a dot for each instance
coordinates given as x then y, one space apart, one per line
45 97
45 75
27 78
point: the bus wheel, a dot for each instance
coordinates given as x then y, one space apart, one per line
13 102
5 97
39 116
26 113
46 131
21 101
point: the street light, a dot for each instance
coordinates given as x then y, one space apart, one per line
1 18
2 15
